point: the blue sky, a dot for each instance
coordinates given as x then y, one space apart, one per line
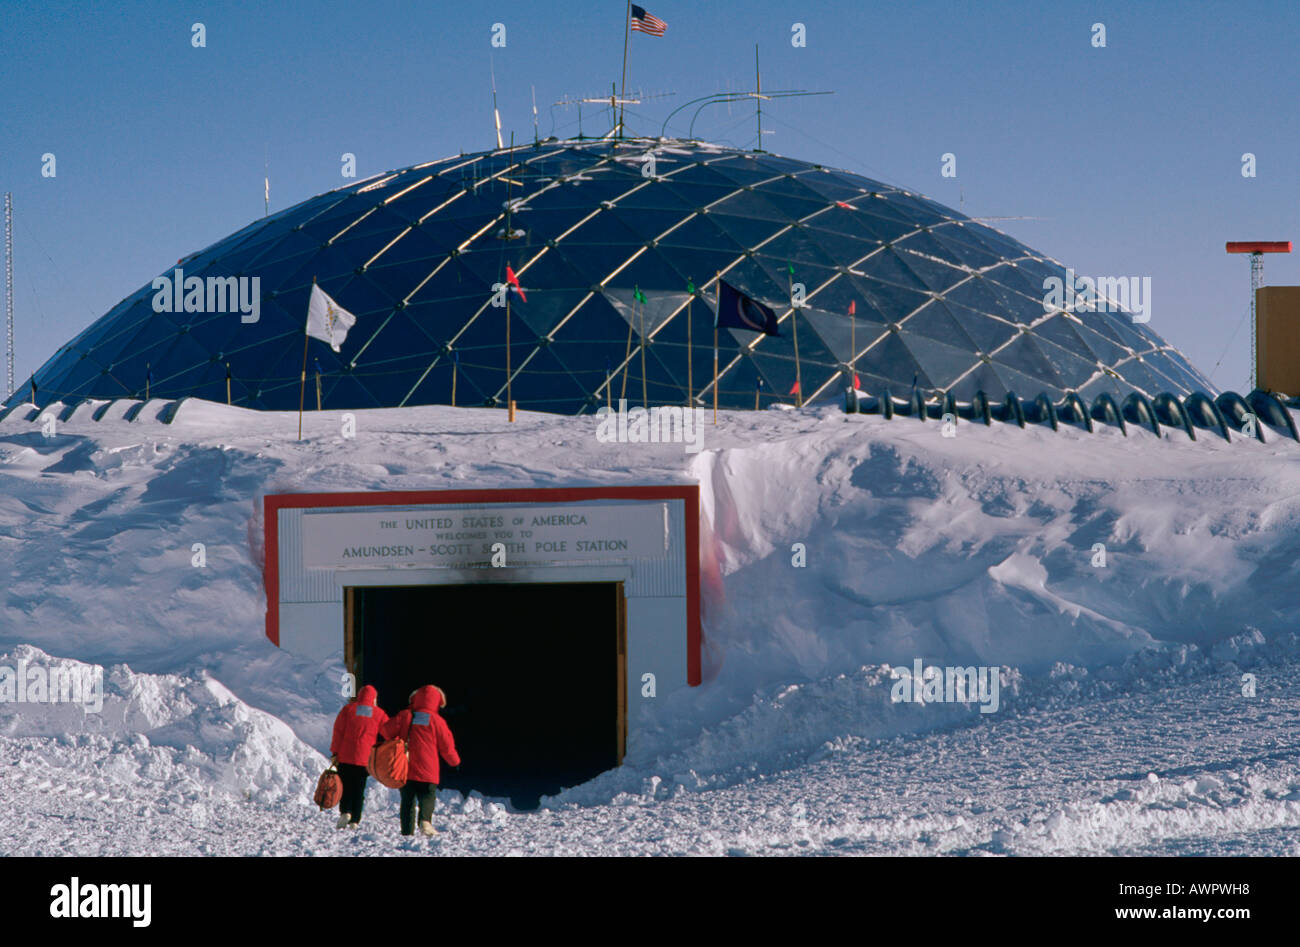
1128 156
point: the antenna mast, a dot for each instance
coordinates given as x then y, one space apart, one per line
495 114
616 103
1256 249
758 98
535 138
9 292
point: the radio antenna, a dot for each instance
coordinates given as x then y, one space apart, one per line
496 116
616 103
566 102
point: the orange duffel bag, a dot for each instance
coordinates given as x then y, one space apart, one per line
388 763
329 789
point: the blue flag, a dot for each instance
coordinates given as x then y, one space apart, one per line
738 311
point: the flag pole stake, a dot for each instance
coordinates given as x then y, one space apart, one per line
627 359
794 321
627 30
302 380
645 401
715 373
509 404
853 347
718 288
690 385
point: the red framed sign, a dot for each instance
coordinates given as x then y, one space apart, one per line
688 493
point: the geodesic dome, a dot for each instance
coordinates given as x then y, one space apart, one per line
942 301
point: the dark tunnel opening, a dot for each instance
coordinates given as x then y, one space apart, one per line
531 672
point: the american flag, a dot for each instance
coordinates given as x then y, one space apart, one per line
647 22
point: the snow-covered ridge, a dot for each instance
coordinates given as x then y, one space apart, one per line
971 550
916 543
182 728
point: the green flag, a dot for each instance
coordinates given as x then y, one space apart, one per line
690 287
638 295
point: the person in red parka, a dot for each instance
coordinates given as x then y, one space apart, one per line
355 730
428 738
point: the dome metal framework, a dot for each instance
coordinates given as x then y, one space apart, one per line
943 303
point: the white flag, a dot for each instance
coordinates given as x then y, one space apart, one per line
327 320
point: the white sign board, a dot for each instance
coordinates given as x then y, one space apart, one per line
449 538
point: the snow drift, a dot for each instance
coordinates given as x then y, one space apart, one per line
845 544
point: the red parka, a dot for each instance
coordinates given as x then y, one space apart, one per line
426 734
357 727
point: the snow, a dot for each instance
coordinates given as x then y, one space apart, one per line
974 550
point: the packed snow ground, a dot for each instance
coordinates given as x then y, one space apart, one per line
972 550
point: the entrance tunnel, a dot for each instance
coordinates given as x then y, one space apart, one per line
533 674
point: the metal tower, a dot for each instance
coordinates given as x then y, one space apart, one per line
1256 249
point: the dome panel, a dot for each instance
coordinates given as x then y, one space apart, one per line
414 255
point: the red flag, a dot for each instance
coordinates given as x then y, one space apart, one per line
845 205
795 389
513 280
856 382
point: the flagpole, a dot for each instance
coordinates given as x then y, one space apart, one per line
627 358
302 380
510 405
690 385
645 401
627 31
794 321
508 411
718 288
853 345
798 375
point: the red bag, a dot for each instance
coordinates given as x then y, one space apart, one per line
329 789
388 763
